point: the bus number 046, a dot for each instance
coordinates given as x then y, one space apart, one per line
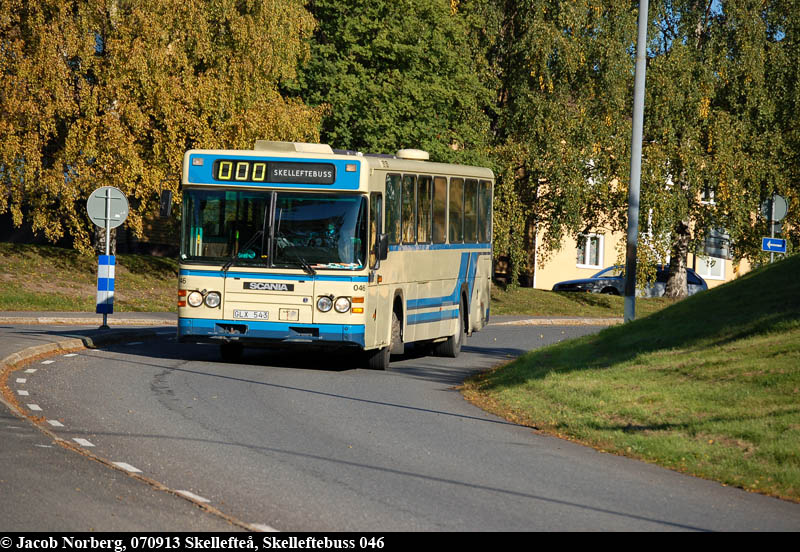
372 542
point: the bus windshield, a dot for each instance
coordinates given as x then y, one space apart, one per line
275 229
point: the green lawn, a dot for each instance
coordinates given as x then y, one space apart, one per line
46 278
538 302
708 386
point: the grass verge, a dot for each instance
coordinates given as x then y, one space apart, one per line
709 386
46 278
538 302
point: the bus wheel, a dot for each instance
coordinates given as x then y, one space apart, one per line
231 352
396 346
378 359
451 347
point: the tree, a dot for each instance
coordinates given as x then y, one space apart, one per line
397 74
562 130
112 92
713 141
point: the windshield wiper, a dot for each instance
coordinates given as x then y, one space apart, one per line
247 244
307 268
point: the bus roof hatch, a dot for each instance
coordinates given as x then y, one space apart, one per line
295 147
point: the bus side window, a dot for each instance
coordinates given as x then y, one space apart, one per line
439 209
470 211
409 204
424 209
375 219
393 217
485 211
456 210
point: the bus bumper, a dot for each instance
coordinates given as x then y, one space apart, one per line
255 332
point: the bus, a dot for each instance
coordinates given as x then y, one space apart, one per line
297 244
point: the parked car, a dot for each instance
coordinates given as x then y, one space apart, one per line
611 280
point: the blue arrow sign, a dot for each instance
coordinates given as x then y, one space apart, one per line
773 245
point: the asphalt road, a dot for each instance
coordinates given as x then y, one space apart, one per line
311 443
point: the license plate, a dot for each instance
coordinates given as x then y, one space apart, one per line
251 315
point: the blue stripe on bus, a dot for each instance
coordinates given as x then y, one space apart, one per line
282 331
266 276
435 316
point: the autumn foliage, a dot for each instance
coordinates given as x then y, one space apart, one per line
112 92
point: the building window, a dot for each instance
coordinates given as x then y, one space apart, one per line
590 251
707 196
711 268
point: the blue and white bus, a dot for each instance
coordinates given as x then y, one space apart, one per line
300 244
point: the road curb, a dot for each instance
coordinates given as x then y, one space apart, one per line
561 322
58 320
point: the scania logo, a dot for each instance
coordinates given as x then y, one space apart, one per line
268 286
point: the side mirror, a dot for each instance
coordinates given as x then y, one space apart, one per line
165 202
382 247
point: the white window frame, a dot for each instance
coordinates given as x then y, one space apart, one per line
707 197
587 251
702 266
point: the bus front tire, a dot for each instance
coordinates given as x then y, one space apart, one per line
378 359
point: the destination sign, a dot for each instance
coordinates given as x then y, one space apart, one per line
238 170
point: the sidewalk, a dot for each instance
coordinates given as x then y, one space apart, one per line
24 335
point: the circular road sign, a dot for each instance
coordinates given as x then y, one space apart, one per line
107 206
779 208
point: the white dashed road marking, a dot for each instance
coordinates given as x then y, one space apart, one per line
55 423
127 467
189 494
263 528
82 442
22 393
35 407
48 361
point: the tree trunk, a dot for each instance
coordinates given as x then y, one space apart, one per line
527 275
676 282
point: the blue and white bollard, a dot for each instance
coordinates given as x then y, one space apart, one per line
105 286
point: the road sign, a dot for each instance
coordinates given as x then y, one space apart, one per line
108 208
773 245
107 204
776 209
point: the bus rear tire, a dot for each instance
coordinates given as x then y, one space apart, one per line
451 347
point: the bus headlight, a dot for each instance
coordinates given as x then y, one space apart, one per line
195 299
342 304
324 303
213 299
